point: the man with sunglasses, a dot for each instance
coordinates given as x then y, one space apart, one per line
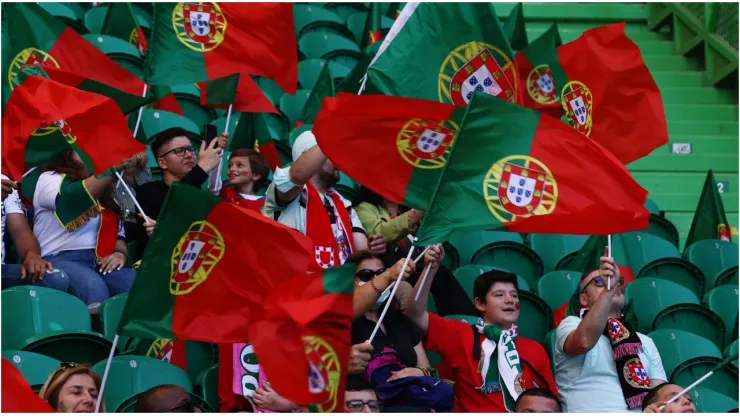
601 363
176 156
166 398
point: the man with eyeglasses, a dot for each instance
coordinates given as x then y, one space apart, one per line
176 157
601 363
359 396
166 398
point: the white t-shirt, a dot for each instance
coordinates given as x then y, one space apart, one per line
11 205
52 236
588 382
294 215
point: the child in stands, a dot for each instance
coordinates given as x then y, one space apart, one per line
247 174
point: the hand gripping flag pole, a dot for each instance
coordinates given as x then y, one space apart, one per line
214 179
696 383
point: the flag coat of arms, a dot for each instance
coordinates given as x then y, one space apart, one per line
444 52
511 168
538 80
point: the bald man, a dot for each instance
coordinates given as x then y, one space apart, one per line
166 398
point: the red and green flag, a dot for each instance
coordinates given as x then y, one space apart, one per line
514 28
444 52
254 129
710 221
373 31
394 10
40 103
193 42
323 88
120 22
607 92
407 139
200 279
303 339
17 395
514 169
540 92
35 36
230 90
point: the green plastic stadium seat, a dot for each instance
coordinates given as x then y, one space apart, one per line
467 274
207 386
110 312
78 9
552 248
94 18
467 244
330 47
727 277
297 132
277 126
710 401
131 375
309 71
310 18
653 256
713 258
535 317
550 347
557 287
356 24
188 96
36 368
723 301
723 381
663 228
512 256
347 186
648 296
692 318
124 53
345 10
74 346
272 90
677 346
154 122
451 259
732 349
220 124
65 14
652 207
292 105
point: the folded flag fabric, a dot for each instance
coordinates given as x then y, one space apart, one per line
514 28
121 22
373 30
514 169
540 92
40 102
323 88
17 395
302 340
200 278
444 52
243 95
710 220
607 92
407 139
254 129
193 42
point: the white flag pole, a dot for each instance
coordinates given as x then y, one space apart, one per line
141 109
131 194
214 178
393 293
423 280
105 374
609 254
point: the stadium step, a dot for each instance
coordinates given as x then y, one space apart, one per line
678 79
698 96
597 12
679 191
701 112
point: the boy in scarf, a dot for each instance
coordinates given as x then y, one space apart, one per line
492 363
601 364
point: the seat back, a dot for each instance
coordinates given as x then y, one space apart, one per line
466 276
327 45
710 401
110 312
131 375
554 247
31 310
648 296
712 257
652 207
36 368
662 228
643 248
297 132
94 18
207 387
292 105
678 271
723 301
676 346
309 71
512 256
272 90
557 287
535 317
468 244
345 10
723 381
693 318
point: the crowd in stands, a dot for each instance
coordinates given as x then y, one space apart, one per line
487 366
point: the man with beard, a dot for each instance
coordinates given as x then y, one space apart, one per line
601 364
301 197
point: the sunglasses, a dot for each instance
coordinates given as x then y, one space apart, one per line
187 406
367 275
356 406
179 151
601 282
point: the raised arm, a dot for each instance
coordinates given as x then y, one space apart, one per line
416 309
366 295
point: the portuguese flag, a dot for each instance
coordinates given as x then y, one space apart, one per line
40 102
607 92
229 90
514 169
193 42
32 35
17 395
253 128
302 340
444 52
514 28
200 279
537 80
323 88
710 221
120 22
372 32
407 139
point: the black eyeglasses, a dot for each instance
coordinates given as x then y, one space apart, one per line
187 406
179 151
367 275
601 282
356 406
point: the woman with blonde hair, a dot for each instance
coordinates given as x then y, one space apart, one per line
72 388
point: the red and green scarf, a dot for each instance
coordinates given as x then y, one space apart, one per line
327 249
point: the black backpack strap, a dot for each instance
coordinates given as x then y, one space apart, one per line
476 343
